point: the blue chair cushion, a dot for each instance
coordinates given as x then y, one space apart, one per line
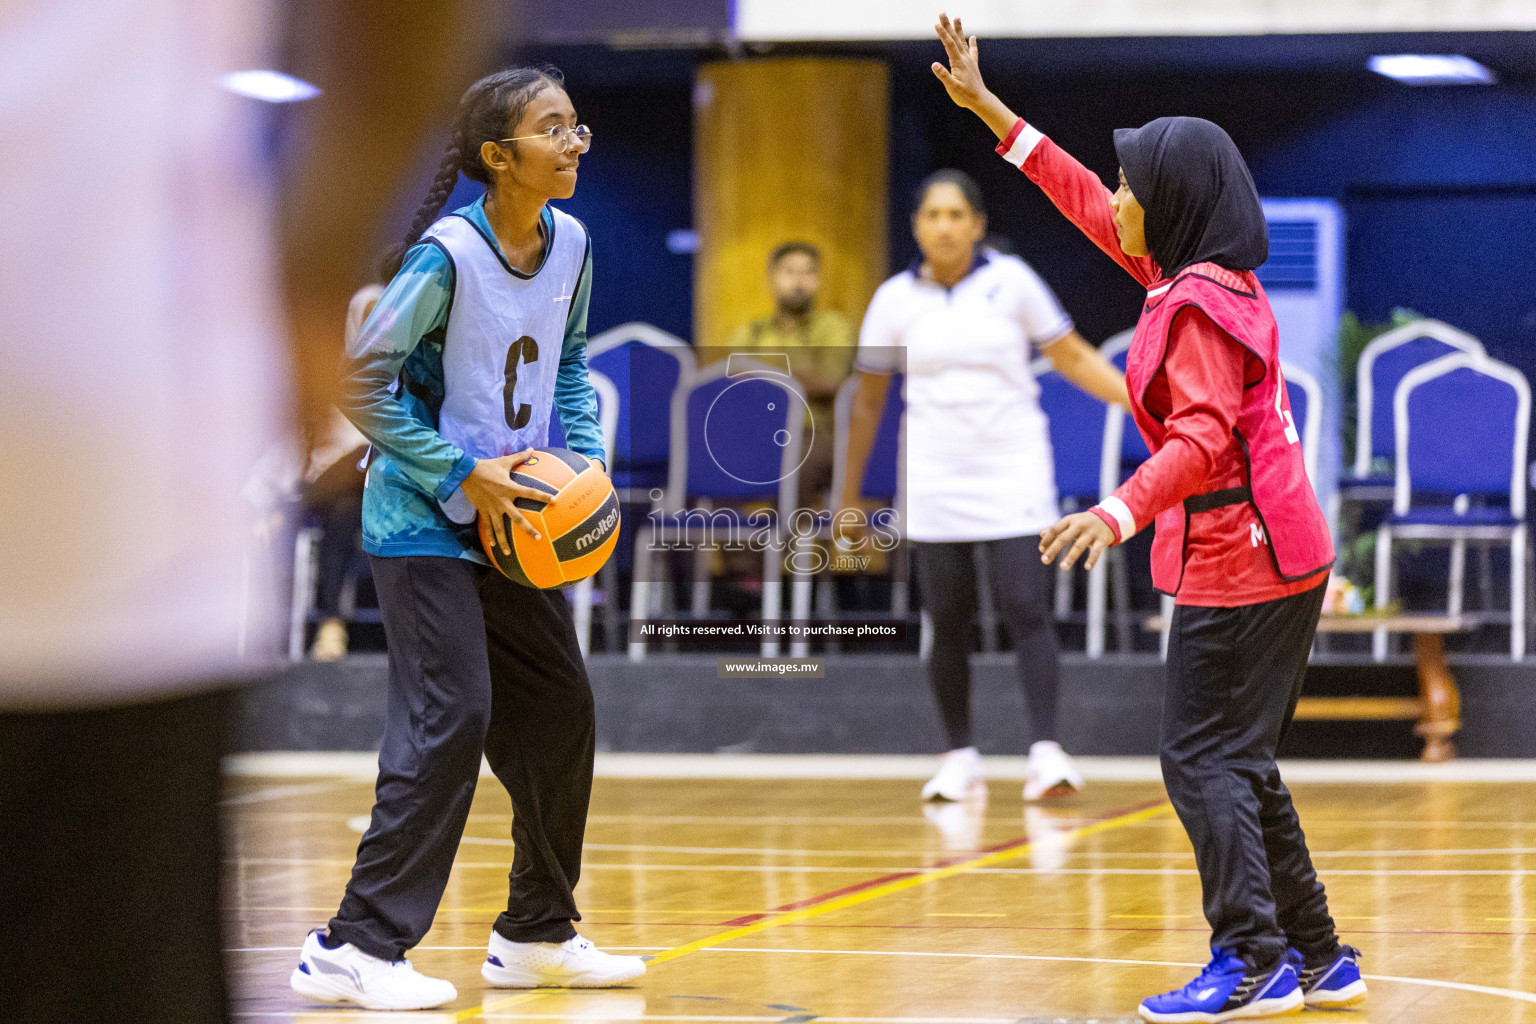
1369 480
1444 515
634 477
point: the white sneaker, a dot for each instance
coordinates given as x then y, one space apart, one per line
1050 772
959 776
347 974
574 963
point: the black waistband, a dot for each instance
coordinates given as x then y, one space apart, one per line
1218 499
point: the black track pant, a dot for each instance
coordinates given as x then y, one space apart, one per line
110 863
1021 590
476 663
1234 676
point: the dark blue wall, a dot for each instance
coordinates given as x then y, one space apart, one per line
1438 184
636 186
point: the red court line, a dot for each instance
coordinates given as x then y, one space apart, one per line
895 876
736 922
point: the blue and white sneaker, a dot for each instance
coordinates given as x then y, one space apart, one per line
1227 990
348 975
1335 983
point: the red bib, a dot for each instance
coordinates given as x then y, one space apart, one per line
1299 540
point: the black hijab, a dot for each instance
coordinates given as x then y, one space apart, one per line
1199 198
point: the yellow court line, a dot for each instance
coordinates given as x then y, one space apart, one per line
854 899
497 1005
900 885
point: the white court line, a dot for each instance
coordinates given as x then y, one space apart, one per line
295 949
740 851
426 1016
728 1020
363 766
1487 990
995 823
279 793
686 1018
725 821
865 869
1185 854
769 851
1491 852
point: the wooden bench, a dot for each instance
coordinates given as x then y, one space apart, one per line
1437 708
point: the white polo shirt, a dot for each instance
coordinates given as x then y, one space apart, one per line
978 449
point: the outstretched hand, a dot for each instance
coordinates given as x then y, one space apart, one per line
1075 534
962 79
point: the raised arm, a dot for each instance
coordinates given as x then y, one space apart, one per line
1077 192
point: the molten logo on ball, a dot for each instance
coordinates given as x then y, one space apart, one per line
598 532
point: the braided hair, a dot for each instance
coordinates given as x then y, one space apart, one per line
485 113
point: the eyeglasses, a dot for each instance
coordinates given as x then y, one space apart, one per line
564 139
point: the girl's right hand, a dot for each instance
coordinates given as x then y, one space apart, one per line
962 79
490 488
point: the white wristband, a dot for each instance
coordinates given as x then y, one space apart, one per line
1024 145
1122 515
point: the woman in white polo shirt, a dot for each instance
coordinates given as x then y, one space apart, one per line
979 468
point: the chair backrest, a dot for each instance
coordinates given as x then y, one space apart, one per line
1383 363
647 368
1133 450
1306 396
736 434
1306 409
1076 422
607 411
1117 345
607 416
882 471
1462 425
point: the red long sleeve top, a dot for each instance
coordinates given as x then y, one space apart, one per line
1196 393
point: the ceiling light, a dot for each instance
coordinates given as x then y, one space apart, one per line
1432 69
270 86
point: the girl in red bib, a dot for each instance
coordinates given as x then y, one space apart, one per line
1240 540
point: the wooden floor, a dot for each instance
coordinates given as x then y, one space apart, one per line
847 902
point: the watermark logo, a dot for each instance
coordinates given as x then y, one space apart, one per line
759 428
764 434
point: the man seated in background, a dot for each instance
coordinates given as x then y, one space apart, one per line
820 346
